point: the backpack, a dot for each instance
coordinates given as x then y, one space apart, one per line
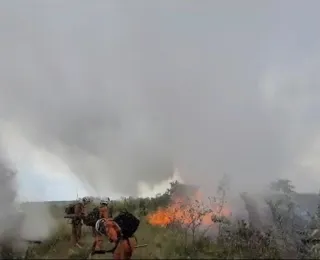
91 219
69 210
128 223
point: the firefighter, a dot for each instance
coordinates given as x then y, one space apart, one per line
103 213
76 222
124 246
104 209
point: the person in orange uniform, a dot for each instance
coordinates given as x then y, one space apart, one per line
103 213
124 247
80 212
104 208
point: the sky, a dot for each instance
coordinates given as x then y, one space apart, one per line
113 96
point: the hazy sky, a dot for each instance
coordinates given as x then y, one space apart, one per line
117 93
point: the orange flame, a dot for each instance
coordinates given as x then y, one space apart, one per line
184 213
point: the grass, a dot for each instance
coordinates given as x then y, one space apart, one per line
233 240
162 243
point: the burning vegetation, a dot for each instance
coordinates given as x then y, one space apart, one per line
187 206
275 229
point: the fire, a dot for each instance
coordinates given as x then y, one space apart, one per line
184 212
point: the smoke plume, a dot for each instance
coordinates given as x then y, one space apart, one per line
124 93
18 225
7 194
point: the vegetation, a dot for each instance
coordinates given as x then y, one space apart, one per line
284 233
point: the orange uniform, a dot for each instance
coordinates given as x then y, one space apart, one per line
79 211
103 213
125 249
124 246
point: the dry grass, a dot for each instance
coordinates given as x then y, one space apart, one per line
239 240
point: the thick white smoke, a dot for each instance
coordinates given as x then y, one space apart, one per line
17 225
122 94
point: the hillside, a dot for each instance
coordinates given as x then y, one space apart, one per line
174 230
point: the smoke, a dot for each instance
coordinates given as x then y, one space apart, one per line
17 223
39 224
7 194
123 94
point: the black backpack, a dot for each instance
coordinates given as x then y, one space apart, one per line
91 219
69 210
128 223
